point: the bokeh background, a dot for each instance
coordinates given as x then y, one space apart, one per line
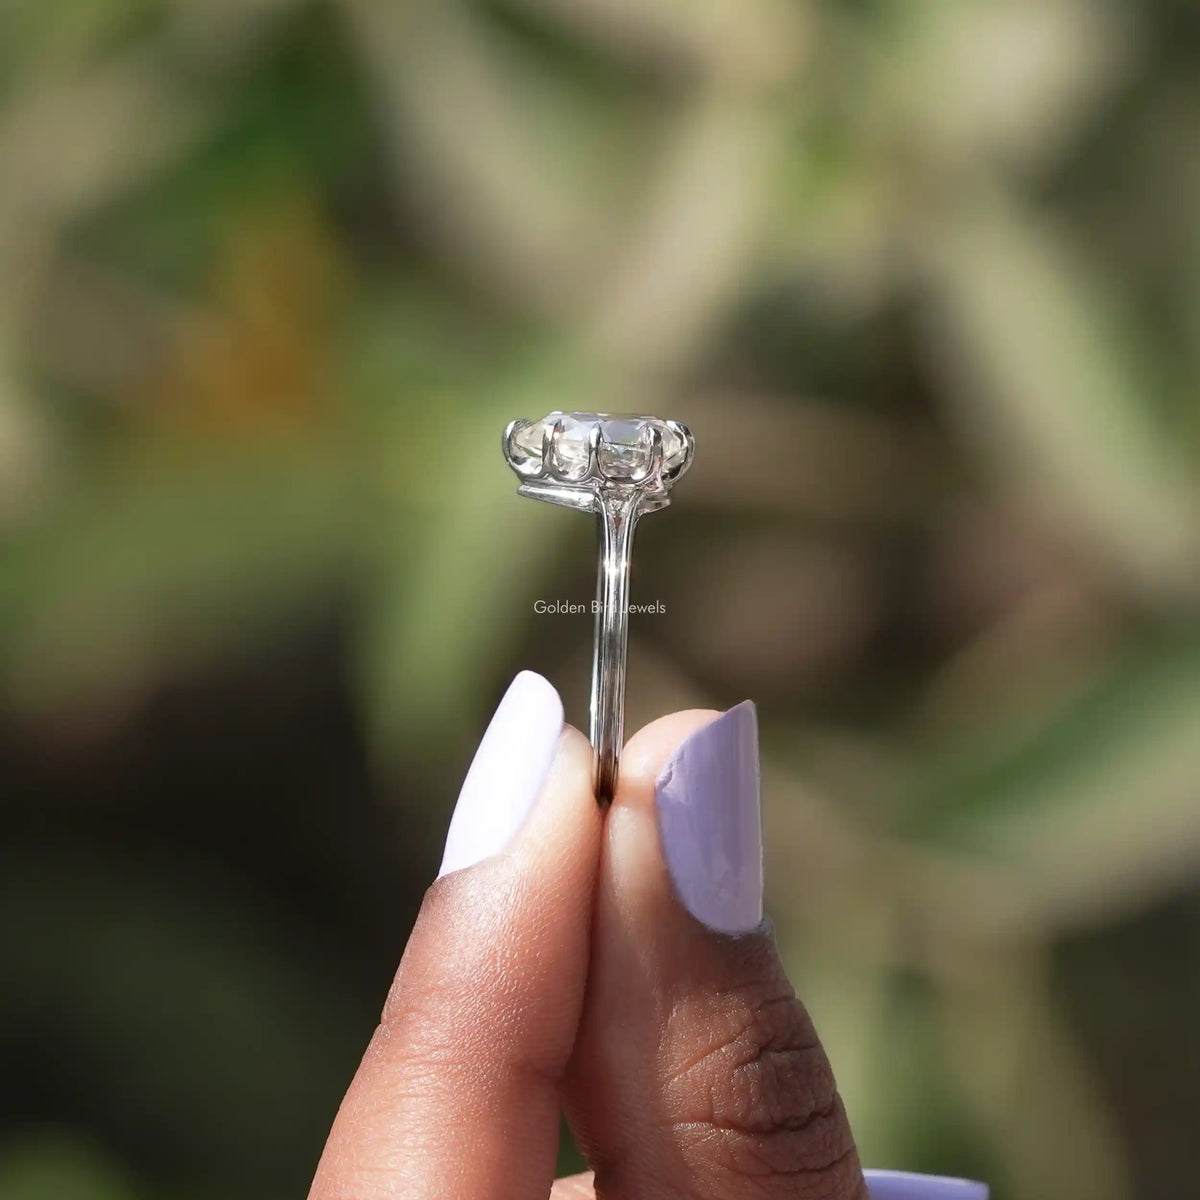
924 277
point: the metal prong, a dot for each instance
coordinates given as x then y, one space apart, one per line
684 434
654 464
594 440
551 437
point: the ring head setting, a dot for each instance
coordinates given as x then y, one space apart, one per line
573 458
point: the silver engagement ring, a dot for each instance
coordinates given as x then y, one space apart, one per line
619 468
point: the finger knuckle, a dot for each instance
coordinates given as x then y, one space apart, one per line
759 1104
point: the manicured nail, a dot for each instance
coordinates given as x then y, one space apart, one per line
507 773
896 1185
710 824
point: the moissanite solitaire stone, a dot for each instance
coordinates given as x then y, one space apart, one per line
582 448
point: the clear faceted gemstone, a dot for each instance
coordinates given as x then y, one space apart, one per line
525 448
625 452
573 451
674 449
626 446
571 459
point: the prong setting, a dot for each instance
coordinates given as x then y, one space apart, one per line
597 451
688 440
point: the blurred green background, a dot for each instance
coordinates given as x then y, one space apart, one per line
923 276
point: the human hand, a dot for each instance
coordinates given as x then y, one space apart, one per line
615 965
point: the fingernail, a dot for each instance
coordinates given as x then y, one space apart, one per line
896 1185
710 824
507 773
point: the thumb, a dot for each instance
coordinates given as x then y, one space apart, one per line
697 1071
458 1092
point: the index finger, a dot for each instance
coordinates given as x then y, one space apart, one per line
457 1094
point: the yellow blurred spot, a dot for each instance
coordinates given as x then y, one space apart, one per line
259 361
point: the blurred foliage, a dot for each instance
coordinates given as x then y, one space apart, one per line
923 275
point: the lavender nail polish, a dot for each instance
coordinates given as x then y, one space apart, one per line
507 773
896 1185
709 821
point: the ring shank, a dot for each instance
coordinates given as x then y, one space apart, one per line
619 512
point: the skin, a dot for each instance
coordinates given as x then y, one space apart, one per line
564 974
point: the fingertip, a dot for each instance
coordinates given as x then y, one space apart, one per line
567 789
574 746
698 771
509 768
652 748
556 852
538 692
